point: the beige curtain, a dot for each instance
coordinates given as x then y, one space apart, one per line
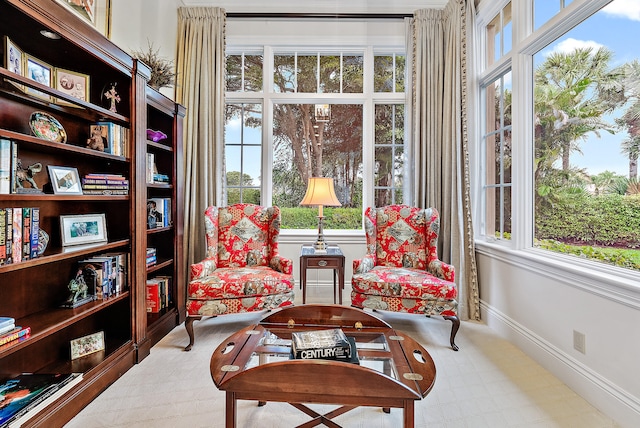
440 141
200 88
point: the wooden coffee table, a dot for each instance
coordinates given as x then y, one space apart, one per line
254 364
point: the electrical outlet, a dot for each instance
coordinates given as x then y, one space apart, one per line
579 342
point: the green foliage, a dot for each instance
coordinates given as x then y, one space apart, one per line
609 220
334 218
629 259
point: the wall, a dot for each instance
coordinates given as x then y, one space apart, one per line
538 306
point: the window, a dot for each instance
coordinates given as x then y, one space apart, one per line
497 152
577 133
499 35
319 109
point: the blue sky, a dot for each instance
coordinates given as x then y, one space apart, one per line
617 28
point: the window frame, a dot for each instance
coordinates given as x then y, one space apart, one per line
611 282
368 99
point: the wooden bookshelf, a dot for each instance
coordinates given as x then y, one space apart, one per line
33 290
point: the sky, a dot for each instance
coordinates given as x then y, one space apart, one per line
616 27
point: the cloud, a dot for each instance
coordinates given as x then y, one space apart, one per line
629 9
569 45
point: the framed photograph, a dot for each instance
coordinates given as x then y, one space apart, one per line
87 345
83 229
39 71
95 12
71 83
65 180
13 59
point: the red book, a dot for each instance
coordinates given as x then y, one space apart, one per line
153 297
14 334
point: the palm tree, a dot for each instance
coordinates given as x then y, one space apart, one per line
573 91
630 120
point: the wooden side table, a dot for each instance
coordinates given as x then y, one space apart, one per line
332 259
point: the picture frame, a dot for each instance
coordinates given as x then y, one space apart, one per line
40 72
13 59
82 229
86 345
96 13
71 83
64 180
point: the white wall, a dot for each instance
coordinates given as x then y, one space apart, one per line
538 307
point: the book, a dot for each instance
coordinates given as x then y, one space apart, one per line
5 166
153 296
7 328
105 192
121 269
15 334
16 251
9 235
25 392
35 232
104 267
6 321
321 344
151 166
14 167
14 342
106 181
26 233
3 237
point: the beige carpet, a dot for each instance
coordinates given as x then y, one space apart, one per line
488 383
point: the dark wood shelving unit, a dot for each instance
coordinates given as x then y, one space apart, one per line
33 290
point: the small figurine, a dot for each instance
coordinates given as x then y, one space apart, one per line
112 96
96 141
78 288
27 174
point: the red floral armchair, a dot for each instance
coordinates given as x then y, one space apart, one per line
242 271
401 271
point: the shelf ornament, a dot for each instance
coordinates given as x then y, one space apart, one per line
113 98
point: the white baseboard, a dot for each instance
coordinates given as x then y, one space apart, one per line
600 392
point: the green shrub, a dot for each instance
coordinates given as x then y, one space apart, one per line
334 218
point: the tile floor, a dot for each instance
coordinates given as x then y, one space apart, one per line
488 383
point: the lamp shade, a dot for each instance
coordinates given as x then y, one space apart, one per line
320 192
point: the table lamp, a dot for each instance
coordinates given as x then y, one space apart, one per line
320 192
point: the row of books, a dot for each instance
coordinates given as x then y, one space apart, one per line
105 274
152 257
115 137
152 174
158 293
19 231
10 333
158 212
105 184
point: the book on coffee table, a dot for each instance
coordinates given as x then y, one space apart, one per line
331 344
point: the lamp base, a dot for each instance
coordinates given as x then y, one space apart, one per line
320 247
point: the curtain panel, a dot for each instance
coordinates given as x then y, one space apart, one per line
438 40
200 88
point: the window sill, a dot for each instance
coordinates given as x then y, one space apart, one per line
610 282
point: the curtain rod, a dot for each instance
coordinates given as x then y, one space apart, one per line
320 15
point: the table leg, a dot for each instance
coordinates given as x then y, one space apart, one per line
303 280
231 410
341 284
334 286
408 413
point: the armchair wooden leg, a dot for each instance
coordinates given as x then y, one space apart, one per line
454 330
188 324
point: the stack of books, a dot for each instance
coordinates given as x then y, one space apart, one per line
105 184
19 233
151 257
10 333
158 293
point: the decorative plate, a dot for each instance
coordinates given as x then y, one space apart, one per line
47 127
155 136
